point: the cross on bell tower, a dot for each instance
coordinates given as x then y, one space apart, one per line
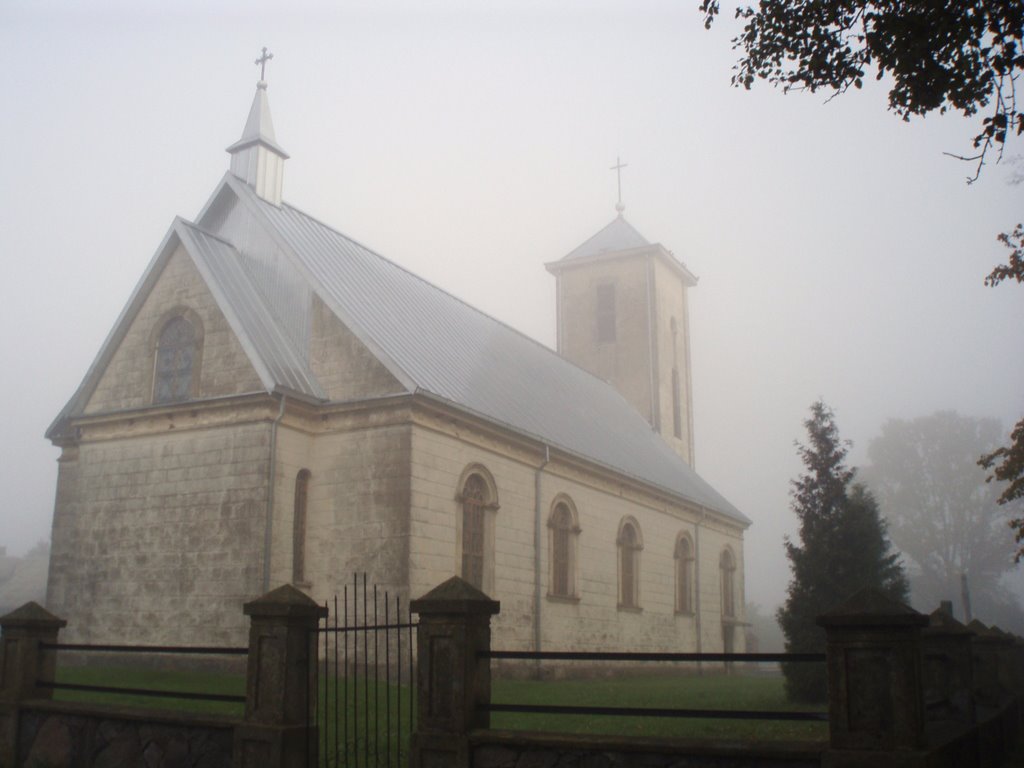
262 61
619 165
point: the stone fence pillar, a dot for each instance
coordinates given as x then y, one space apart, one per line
948 669
454 624
281 679
22 665
876 692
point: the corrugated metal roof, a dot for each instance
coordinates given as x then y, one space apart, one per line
619 235
252 318
438 344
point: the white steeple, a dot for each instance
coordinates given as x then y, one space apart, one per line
256 158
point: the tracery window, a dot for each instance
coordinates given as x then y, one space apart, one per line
474 500
299 518
564 531
175 361
629 564
727 567
684 575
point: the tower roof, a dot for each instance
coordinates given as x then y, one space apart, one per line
619 235
259 128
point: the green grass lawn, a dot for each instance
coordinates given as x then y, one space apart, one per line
713 691
204 682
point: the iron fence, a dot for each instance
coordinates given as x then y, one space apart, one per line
148 650
366 703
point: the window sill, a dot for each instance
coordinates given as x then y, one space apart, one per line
553 598
303 585
630 608
687 614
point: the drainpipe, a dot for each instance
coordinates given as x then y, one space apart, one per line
268 528
696 581
536 550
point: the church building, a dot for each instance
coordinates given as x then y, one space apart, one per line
278 404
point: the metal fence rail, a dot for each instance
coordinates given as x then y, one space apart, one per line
176 650
716 714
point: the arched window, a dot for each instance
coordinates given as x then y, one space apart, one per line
630 545
299 527
684 575
727 566
564 531
175 361
474 499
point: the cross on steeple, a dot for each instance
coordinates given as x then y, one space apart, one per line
262 61
619 165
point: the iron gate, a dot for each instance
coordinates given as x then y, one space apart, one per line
366 697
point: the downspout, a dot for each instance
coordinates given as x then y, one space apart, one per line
696 581
268 528
536 550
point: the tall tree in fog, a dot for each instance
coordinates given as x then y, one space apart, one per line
843 547
1007 462
965 57
942 514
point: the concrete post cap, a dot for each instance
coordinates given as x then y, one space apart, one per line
31 616
285 601
455 596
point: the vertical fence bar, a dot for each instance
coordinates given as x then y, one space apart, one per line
376 682
345 697
326 634
335 678
366 676
412 675
398 666
387 675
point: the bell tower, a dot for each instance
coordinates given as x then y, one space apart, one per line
623 315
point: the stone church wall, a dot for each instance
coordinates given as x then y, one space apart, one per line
345 368
594 621
159 538
224 368
357 509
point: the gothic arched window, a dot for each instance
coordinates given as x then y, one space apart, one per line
684 575
630 544
474 500
175 361
564 530
299 527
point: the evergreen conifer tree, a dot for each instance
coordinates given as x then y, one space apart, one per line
843 547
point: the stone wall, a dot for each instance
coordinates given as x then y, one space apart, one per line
158 538
626 361
345 368
358 504
224 368
56 736
592 620
523 750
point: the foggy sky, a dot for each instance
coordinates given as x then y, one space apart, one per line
840 255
